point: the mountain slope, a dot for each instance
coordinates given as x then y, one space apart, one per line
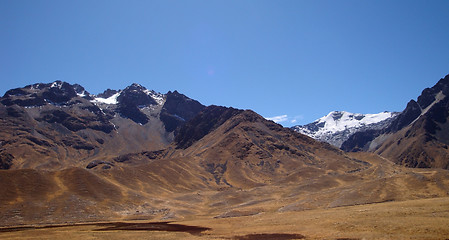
418 136
239 164
239 148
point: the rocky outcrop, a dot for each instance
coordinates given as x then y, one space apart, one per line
6 160
107 93
131 99
56 93
178 109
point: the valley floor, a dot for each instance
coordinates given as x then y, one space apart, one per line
412 219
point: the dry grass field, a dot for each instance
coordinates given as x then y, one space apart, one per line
381 201
412 219
246 179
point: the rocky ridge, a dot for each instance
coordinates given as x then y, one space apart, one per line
417 137
58 121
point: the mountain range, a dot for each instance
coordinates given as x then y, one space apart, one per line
415 137
68 156
336 127
58 125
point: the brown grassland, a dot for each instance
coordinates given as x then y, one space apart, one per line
412 219
246 179
383 201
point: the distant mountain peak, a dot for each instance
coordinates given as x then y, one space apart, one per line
57 84
135 87
106 94
337 126
134 93
59 120
39 94
417 137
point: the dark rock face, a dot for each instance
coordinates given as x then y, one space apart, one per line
178 109
438 112
135 95
337 115
81 91
15 92
95 163
107 93
71 110
315 126
6 160
34 100
140 157
410 113
358 141
39 94
15 111
77 143
205 122
428 95
76 123
424 144
133 113
56 116
64 92
131 99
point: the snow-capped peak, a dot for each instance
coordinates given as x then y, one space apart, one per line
341 120
337 126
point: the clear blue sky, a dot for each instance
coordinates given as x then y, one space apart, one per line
297 58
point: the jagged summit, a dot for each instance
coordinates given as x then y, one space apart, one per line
337 126
134 94
40 94
62 121
418 136
107 93
429 98
59 92
177 109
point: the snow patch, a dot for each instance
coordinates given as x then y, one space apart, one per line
35 86
110 100
339 121
83 94
56 85
158 97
